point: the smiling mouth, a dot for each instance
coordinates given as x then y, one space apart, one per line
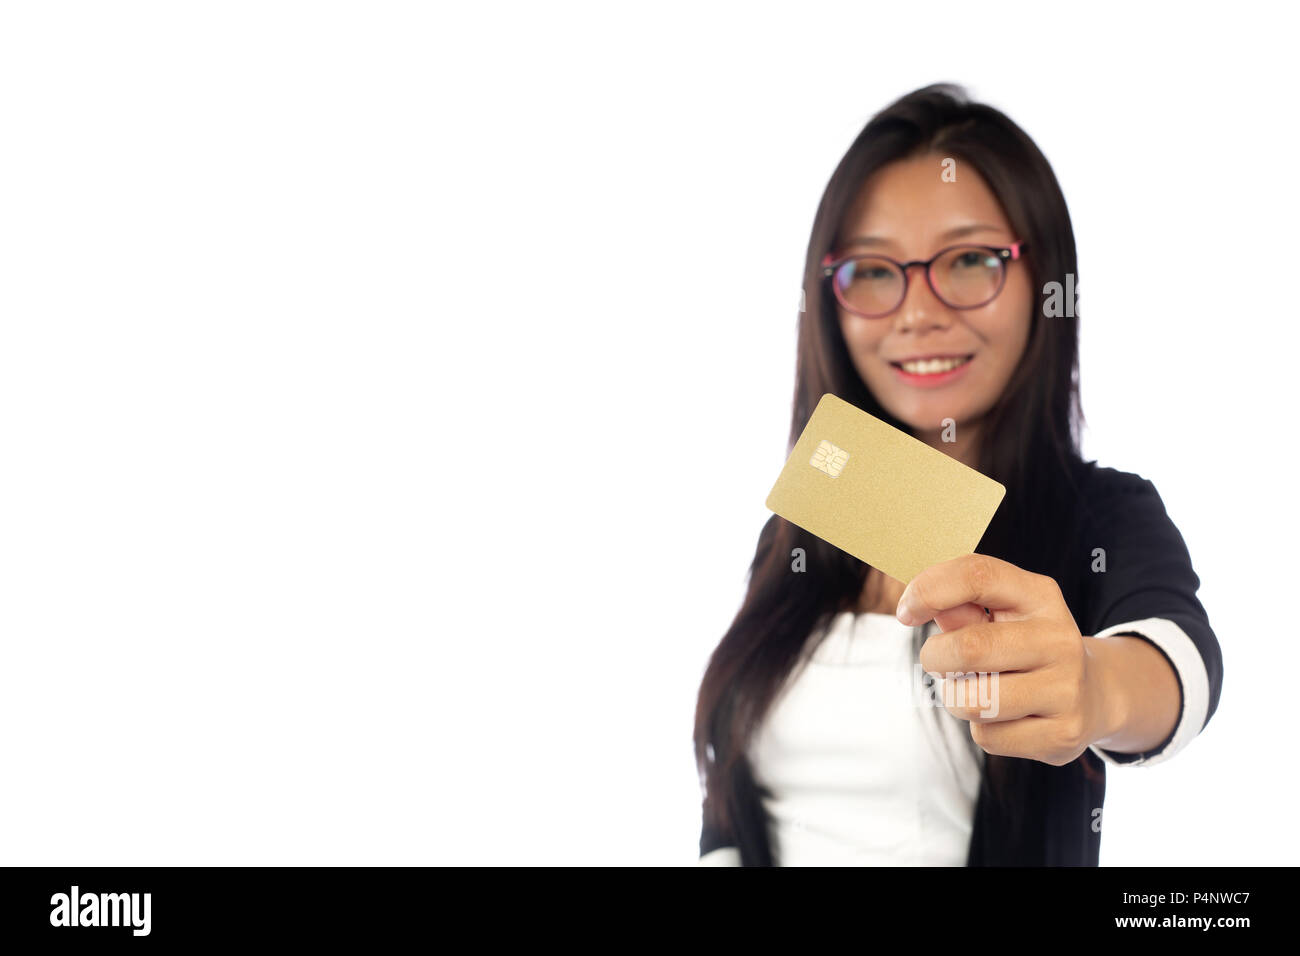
933 366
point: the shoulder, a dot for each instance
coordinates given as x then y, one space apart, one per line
1137 562
1098 482
1109 496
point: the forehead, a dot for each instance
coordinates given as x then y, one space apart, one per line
908 203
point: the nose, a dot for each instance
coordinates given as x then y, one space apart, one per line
920 309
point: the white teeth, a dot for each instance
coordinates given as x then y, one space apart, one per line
932 366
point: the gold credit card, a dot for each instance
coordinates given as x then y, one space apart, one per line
881 495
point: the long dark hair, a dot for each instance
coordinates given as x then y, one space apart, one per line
1029 442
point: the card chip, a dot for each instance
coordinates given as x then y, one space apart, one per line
829 458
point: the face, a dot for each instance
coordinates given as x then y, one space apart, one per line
907 212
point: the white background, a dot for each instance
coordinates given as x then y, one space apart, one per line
389 395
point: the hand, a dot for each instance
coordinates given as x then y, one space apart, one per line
1047 685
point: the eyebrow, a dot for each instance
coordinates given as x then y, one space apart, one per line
958 233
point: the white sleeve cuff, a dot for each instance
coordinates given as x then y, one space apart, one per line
1194 681
722 856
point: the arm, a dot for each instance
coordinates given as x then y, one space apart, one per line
1143 696
715 848
1153 643
1061 692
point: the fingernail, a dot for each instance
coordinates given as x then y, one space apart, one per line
903 612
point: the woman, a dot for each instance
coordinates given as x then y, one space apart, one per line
935 283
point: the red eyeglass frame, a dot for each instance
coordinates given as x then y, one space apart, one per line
831 263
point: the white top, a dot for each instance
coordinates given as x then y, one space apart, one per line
866 766
864 769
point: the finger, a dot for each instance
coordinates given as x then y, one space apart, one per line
974 578
990 646
1047 739
988 698
963 616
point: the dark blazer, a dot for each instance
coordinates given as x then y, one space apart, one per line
1048 815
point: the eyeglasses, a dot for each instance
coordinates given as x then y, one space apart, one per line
961 277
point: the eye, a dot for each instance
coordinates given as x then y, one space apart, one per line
865 271
974 259
875 272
